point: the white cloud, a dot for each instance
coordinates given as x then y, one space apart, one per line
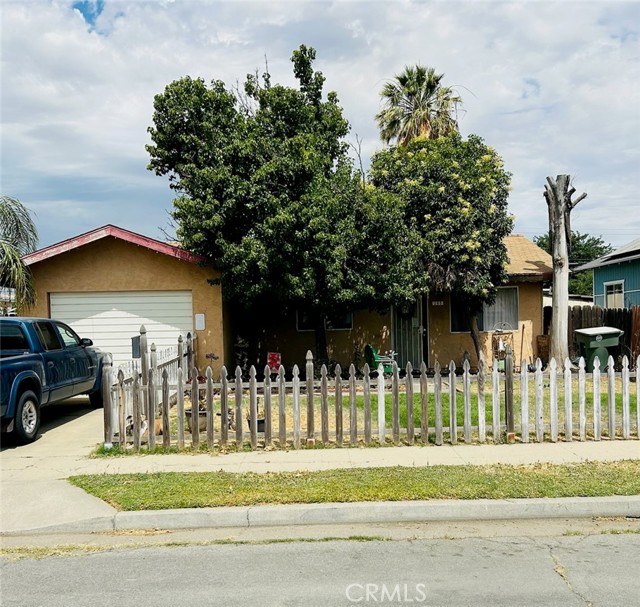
553 86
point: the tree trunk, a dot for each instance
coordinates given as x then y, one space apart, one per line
475 334
558 196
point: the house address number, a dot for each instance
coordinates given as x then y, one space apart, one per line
437 303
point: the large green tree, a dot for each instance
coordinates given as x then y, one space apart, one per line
417 104
582 249
18 236
266 189
455 191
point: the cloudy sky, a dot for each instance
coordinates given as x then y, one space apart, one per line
553 86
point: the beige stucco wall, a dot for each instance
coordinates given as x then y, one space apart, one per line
111 264
446 346
344 346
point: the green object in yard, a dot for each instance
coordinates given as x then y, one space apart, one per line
373 359
594 343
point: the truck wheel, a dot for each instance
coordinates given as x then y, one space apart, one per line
95 398
27 417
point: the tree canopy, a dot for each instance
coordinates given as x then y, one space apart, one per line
455 191
18 236
266 189
417 104
582 249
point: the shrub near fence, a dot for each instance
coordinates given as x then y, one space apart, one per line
559 403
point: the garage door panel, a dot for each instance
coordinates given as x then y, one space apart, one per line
112 319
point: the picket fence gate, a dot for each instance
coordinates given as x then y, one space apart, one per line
340 411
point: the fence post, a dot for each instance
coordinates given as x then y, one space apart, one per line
267 406
424 404
409 402
524 402
224 407
144 364
180 351
538 382
568 402
453 405
553 398
597 401
151 411
195 410
190 364
395 403
209 404
121 404
106 402
253 409
353 411
180 409
495 398
482 413
625 399
338 392
166 427
324 404
296 407
611 397
381 405
466 391
508 396
282 412
437 395
311 439
154 373
582 400
238 416
367 405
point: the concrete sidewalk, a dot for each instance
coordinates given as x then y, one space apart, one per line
36 498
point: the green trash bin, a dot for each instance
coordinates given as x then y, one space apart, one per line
593 342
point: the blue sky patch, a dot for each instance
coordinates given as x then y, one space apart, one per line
90 10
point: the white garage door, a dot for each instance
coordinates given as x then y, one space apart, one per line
112 319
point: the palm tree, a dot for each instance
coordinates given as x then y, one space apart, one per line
417 105
18 236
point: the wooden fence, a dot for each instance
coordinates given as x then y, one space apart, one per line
625 319
491 405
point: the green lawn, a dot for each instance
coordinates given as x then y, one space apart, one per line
198 490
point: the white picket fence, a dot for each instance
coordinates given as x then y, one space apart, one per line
490 405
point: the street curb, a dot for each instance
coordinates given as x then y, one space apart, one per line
353 513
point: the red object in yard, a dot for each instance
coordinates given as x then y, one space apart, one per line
274 360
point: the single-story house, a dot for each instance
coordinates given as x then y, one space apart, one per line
432 330
616 277
110 281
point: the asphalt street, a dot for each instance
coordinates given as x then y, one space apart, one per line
597 570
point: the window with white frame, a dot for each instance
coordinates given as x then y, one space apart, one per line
614 294
503 314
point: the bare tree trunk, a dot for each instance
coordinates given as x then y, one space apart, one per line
558 195
475 334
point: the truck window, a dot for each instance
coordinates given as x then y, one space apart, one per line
69 337
48 337
12 337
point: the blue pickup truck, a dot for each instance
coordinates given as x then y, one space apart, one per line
43 361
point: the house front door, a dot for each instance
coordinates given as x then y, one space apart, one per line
408 332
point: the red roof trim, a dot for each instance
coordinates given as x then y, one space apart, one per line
115 232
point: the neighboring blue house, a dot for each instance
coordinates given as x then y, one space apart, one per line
616 277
